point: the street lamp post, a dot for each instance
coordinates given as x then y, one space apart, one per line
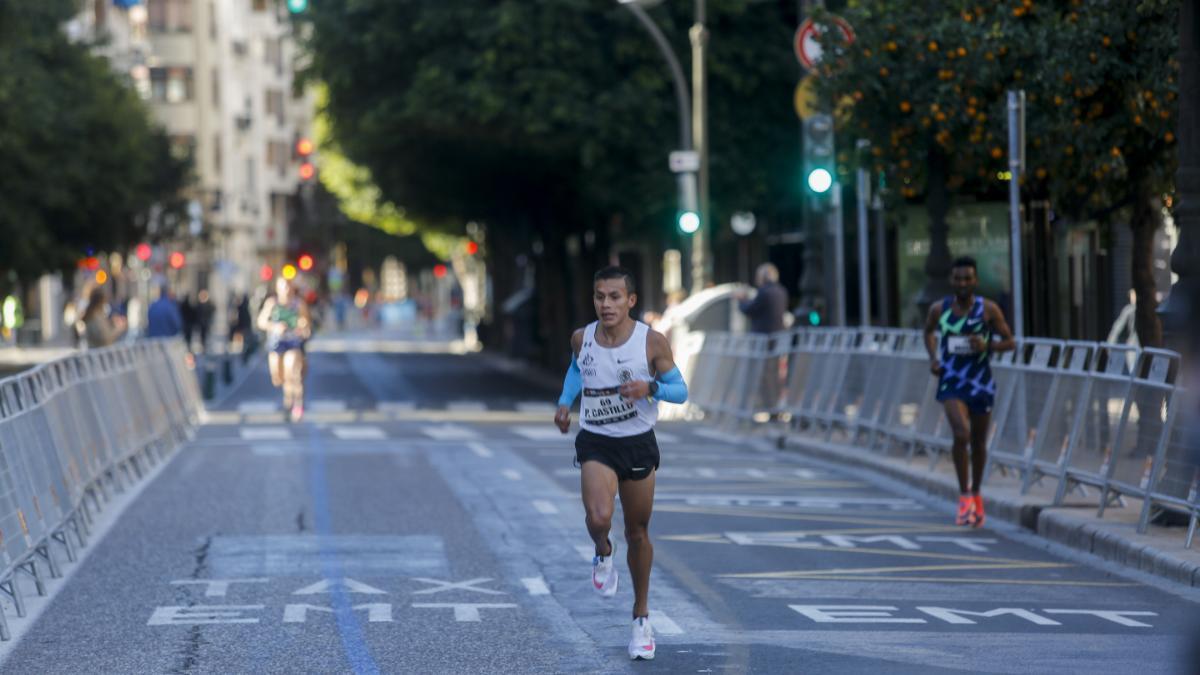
693 134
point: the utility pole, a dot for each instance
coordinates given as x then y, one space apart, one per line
701 260
812 278
1016 164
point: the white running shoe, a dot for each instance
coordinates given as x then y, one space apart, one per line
641 645
604 572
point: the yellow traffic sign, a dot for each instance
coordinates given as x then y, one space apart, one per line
805 98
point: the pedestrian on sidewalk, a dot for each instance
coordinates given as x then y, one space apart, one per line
205 311
766 311
622 367
101 329
163 318
961 333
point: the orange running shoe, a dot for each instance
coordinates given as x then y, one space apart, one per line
966 511
978 511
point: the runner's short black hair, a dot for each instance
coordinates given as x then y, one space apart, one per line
965 261
615 272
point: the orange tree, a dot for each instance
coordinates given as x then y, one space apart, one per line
926 82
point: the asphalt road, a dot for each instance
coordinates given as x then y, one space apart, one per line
425 519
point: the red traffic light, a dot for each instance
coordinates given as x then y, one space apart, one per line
472 248
304 147
177 260
143 252
439 270
305 262
307 171
266 272
91 263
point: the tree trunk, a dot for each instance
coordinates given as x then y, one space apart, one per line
1145 220
937 263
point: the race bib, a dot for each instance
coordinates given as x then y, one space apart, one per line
606 406
959 345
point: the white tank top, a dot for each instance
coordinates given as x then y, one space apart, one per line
603 410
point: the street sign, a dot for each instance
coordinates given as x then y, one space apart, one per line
743 222
684 161
808 49
805 98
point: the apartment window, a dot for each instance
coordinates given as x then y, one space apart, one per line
274 101
217 154
216 88
278 157
183 146
212 21
170 16
273 49
260 5
171 85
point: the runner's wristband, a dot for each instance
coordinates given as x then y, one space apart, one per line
572 384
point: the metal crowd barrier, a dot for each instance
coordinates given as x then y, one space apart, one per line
72 432
1084 417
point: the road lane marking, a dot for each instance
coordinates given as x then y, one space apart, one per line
257 407
345 584
804 574
536 585
756 473
198 615
327 406
377 612
395 406
799 501
440 586
973 581
545 507
742 512
463 611
538 432
663 625
265 433
359 433
511 474
481 450
450 432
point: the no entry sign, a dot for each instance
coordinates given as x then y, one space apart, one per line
808 49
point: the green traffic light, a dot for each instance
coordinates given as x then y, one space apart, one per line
820 180
814 318
689 222
297 6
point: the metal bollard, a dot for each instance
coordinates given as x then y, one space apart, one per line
226 369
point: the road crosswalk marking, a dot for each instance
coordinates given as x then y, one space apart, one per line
538 433
544 506
265 433
663 625
359 433
396 406
511 474
536 407
466 406
481 450
327 406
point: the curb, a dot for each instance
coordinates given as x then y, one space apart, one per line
1054 524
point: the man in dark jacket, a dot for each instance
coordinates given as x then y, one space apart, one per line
766 311
163 318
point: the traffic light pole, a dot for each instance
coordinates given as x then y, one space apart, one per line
701 262
838 224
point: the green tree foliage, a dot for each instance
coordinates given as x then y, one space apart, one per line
927 85
547 118
82 161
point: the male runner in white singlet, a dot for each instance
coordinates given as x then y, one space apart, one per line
622 368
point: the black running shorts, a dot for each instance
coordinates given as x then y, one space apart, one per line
631 457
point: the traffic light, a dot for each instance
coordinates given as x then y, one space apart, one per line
472 248
304 150
689 222
266 272
305 262
143 252
177 260
297 6
819 160
288 272
439 270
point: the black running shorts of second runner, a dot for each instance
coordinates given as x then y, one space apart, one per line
631 457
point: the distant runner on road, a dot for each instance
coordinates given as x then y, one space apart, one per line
958 337
286 321
623 368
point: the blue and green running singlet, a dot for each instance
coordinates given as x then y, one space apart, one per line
966 375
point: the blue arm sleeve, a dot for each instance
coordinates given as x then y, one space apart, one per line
572 384
671 387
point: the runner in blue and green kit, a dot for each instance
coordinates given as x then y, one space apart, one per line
961 333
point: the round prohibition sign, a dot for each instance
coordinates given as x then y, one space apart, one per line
808 48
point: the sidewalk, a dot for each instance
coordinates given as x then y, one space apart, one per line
1160 551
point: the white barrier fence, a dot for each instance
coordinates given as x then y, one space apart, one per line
72 432
1092 418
